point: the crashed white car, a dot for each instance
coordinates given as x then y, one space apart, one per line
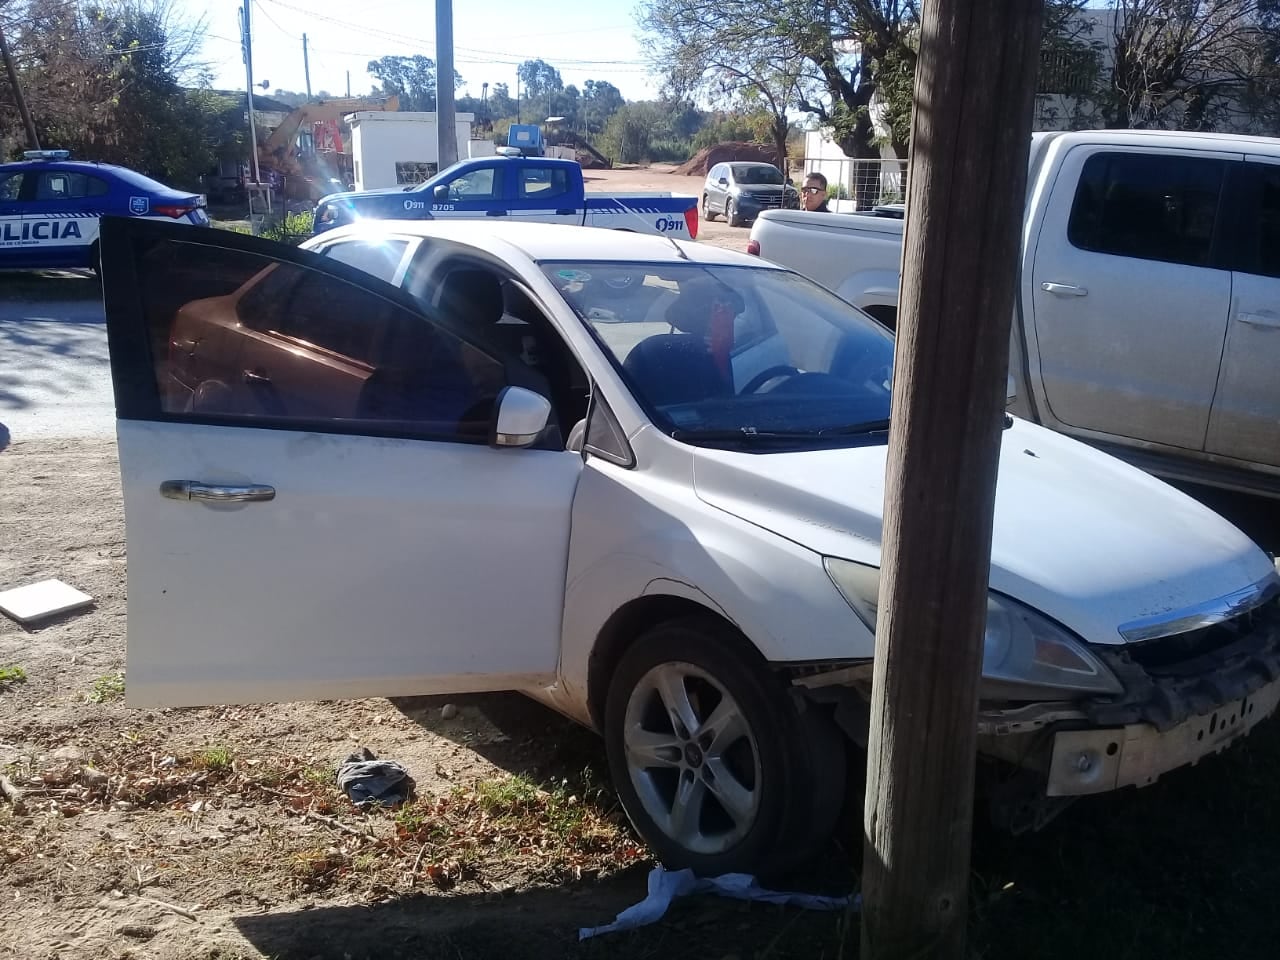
641 481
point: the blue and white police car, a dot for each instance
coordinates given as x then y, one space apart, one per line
50 205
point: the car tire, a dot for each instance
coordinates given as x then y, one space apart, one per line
764 798
731 214
707 215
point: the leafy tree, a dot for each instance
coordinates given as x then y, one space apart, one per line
600 101
539 83
412 79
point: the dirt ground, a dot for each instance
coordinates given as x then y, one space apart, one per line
219 832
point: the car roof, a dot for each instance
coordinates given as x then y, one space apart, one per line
543 242
133 177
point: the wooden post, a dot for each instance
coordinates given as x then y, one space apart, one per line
970 140
28 124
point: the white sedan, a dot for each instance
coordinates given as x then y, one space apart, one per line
641 481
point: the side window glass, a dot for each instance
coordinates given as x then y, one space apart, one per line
1147 206
543 183
278 345
379 258
1263 236
10 187
483 184
55 185
605 438
95 187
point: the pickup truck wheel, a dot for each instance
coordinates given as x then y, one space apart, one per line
717 766
707 215
731 214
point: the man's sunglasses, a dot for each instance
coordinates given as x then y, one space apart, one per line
813 190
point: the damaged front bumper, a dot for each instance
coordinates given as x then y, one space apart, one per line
1186 696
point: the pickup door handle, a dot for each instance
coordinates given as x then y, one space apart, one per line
255 378
217 492
1259 319
565 213
1063 289
495 213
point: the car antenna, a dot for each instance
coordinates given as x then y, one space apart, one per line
679 251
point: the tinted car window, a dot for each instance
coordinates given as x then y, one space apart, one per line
1262 236
757 173
381 258
69 185
478 184
10 186
542 183
283 345
1147 206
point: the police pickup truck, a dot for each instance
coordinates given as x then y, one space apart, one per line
50 206
540 189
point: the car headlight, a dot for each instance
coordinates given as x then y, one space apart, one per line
1024 653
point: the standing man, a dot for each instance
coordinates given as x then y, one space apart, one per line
813 195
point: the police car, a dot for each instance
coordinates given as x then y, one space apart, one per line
50 205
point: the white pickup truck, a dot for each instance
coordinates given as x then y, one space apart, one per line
1148 307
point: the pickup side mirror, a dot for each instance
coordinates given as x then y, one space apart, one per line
441 192
521 417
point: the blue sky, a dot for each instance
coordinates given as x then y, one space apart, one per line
584 41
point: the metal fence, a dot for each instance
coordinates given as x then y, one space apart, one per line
863 183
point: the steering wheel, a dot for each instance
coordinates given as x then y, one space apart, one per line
770 373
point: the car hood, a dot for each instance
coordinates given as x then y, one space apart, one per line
1078 535
350 196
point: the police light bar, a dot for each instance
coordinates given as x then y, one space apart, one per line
46 154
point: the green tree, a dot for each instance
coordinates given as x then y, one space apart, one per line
412 79
539 83
600 101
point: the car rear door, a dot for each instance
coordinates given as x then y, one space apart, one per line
1130 294
332 543
1245 422
544 194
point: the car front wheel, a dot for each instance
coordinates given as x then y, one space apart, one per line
719 768
706 209
731 214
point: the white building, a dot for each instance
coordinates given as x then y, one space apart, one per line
391 148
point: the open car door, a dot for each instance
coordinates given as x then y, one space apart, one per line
312 506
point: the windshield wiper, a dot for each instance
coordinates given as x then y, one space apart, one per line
867 426
742 433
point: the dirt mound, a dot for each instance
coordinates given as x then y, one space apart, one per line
730 152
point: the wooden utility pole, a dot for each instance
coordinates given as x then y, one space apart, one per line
446 115
32 140
970 140
306 66
246 43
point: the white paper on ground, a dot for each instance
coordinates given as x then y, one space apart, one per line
39 600
667 885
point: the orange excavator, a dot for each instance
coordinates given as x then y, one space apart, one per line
308 150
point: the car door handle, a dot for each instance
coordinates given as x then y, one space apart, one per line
565 213
495 213
1259 319
254 378
1063 289
218 493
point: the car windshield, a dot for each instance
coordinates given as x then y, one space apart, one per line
757 173
753 356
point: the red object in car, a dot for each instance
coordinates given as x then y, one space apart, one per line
753 247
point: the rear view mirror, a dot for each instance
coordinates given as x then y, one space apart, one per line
521 418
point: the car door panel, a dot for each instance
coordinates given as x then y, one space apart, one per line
391 557
543 194
1245 422
1129 302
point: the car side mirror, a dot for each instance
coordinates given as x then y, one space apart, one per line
521 418
441 192
724 181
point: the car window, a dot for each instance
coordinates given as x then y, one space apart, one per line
10 187
483 184
1147 206
282 345
381 258
734 351
543 183
69 185
756 173
1262 226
